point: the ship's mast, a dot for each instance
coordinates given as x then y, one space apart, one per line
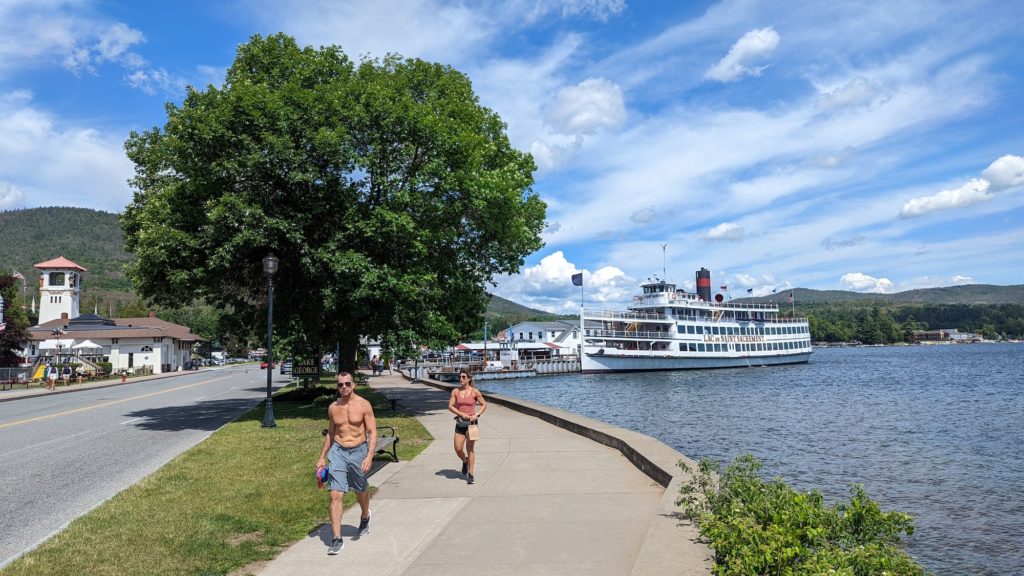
663 276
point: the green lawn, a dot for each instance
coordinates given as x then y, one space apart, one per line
239 497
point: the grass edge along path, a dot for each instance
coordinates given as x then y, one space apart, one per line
237 498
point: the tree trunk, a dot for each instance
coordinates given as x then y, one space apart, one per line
348 347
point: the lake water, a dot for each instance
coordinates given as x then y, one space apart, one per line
934 431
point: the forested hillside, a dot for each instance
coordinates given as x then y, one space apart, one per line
87 237
872 324
966 294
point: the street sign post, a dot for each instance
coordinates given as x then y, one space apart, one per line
307 368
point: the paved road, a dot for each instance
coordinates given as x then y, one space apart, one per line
63 454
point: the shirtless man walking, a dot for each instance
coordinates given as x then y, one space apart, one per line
350 443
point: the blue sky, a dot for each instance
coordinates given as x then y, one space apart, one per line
867 146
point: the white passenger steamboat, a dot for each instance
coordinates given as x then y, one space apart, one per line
667 328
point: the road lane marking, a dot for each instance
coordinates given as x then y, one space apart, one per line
111 403
132 420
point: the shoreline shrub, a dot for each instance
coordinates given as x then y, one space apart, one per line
758 526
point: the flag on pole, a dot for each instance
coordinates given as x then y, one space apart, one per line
577 279
18 275
789 299
750 290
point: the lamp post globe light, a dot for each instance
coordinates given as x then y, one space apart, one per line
270 268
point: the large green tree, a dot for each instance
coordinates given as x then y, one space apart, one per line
390 195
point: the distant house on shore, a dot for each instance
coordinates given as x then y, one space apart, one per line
542 339
944 336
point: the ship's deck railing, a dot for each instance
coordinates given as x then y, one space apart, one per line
593 314
630 334
598 315
663 299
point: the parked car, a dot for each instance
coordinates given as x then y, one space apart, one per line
192 365
263 365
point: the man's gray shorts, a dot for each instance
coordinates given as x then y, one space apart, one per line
345 468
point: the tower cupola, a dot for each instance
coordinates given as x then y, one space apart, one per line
60 286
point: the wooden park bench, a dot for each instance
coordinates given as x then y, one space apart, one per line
8 383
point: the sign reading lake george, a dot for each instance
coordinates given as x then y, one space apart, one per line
306 367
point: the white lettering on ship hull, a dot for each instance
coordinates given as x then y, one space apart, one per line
709 338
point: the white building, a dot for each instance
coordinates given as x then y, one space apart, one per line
542 339
132 344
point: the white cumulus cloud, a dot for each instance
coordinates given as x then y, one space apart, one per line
725 231
753 47
587 107
10 196
1006 172
859 282
109 44
54 163
551 157
977 190
548 285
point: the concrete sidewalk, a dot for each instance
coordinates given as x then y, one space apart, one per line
548 499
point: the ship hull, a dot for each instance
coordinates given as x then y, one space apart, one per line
598 363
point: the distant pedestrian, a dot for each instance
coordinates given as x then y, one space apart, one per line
51 377
350 443
65 375
463 404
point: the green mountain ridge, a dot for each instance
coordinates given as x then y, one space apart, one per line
93 239
964 294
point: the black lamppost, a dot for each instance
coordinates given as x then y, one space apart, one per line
270 268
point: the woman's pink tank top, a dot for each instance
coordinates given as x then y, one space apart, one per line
467 404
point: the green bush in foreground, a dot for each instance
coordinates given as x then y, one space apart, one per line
767 527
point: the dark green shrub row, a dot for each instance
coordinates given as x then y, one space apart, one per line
766 527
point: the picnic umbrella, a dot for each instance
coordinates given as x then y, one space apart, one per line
86 345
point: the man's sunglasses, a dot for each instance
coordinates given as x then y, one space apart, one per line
345 384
